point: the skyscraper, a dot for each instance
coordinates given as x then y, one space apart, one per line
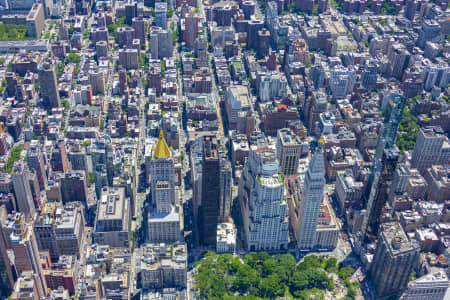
311 199
394 260
22 190
369 75
161 14
261 195
49 85
162 176
164 219
35 159
225 191
35 20
427 150
210 190
6 274
190 32
289 149
59 157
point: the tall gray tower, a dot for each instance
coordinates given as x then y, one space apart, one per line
394 260
49 85
22 190
311 199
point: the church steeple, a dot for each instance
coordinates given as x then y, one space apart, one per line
161 149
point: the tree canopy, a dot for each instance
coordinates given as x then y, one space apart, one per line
262 276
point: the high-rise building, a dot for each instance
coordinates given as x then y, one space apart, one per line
139 28
129 58
398 57
60 230
22 190
210 190
59 158
342 81
101 48
161 14
289 149
161 44
113 219
164 219
162 176
432 286
395 258
261 195
430 30
49 85
428 148
74 187
23 5
97 81
190 29
26 252
410 9
35 160
35 20
369 75
311 200
225 191
130 11
6 271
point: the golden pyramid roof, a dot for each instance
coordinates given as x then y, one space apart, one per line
161 149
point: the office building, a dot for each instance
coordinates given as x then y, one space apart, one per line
311 199
164 227
211 190
6 270
395 258
58 159
49 85
28 287
36 162
430 30
237 105
97 81
428 148
113 219
161 15
342 81
272 86
162 176
60 230
162 266
432 286
369 75
21 5
328 228
22 190
225 191
26 252
289 149
35 20
226 238
264 208
74 187
348 190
